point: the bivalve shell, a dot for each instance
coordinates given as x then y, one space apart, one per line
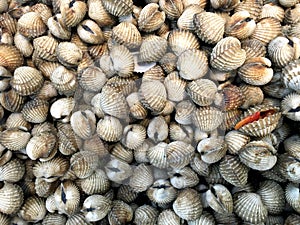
142 178
118 8
173 9
84 163
121 213
90 32
254 7
11 196
72 12
83 123
35 111
12 171
168 217
68 54
202 91
96 207
145 214
153 48
219 199
57 27
64 80
110 129
186 20
31 25
97 183
161 192
10 57
33 209
150 18
98 13
14 139
179 154
23 44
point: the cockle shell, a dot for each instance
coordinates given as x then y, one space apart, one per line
157 129
179 154
290 105
4 219
183 112
84 163
253 95
33 209
11 100
31 25
12 171
161 192
57 27
182 40
14 139
291 76
10 57
45 47
254 48
35 111
54 219
235 140
145 214
23 44
121 213
118 8
127 34
219 199
252 6
175 87
43 10
168 62
134 136
168 217
83 123
202 91
16 120
97 183
288 167
258 155
185 21
153 48
150 18
188 204
288 3
67 141
183 178
204 21
249 207
98 13
293 218
68 54
157 155
136 108
173 9
90 32
64 80
122 61
117 170
292 196
270 10
126 194
142 178
96 207
72 12
122 152
110 129
92 79
11 196
227 54
77 219
291 15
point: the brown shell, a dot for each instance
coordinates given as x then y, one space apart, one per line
252 95
68 54
254 7
232 97
33 209
14 138
31 25
153 48
35 111
150 18
173 9
11 101
202 91
10 57
8 22
118 8
12 171
203 23
64 80
72 12
57 27
98 13
110 129
271 10
291 15
254 48
11 196
90 32
23 44
227 54
127 34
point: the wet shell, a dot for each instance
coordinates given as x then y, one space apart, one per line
83 123
203 23
121 213
11 196
68 54
235 140
153 48
212 149
142 178
10 57
183 178
182 40
161 192
57 27
272 195
12 171
118 8
290 105
145 214
168 217
64 80
98 13
67 198
127 34
250 208
266 30
207 118
188 204
72 12
110 129
90 32
233 171
23 44
150 18
240 25
258 155
173 9
179 154
254 7
35 111
96 207
14 139
186 20
31 25
256 71
26 80
33 209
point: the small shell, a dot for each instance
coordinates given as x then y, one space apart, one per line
8 22
12 171
84 163
168 62
77 219
227 54
175 87
183 178
133 136
212 149
98 13
11 100
127 34
203 23
256 71
136 108
54 219
72 12
57 27
207 118
23 44
157 155
266 30
97 183
121 213
153 48
202 91
233 171
161 192
11 196
96 207
31 25
33 209
126 194
290 105
10 57
258 155
117 170
252 95
188 204
150 18
185 21
288 167
250 208
219 199
235 140
110 129
68 54
179 154
122 61
90 32
240 25
254 7
288 3
157 129
118 8
142 178
168 217
64 80
173 9
26 80
145 214
292 219
291 15
43 10
16 120
14 139
35 111
67 142
182 40
272 195
270 10
83 123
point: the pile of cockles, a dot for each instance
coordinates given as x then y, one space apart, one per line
150 112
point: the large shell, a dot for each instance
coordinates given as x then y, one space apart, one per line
72 12
203 23
192 64
150 18
142 178
127 34
118 8
250 208
235 140
182 40
188 204
11 196
96 207
153 48
31 25
14 138
258 155
227 54
207 118
33 209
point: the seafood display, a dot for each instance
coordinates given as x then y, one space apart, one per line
146 112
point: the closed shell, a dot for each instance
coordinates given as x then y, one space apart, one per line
98 13
153 48
122 61
142 178
83 123
204 21
158 156
35 111
64 80
10 57
110 129
289 106
72 12
291 76
77 219
121 213
68 54
186 20
134 136
57 27
254 7
97 183
92 79
96 207
202 91
117 170
118 8
275 11
127 34
12 171
253 95
11 196
90 32
84 163
161 192
145 214
54 219
150 18
254 48
179 154
31 25
14 138
168 217
33 209
175 87
183 178
23 44
219 199
235 140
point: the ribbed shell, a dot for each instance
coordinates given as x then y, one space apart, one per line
157 155
77 219
235 140
179 154
182 40
258 155
291 15
204 21
270 10
31 25
227 54
219 199
98 13
23 44
291 146
161 192
96 207
84 163
83 123
192 64
252 95
183 112
127 34
292 196
250 208
14 139
134 136
185 21
153 48
68 54
122 61
150 18
168 217
121 213
64 80
291 75
145 214
173 9
54 219
12 171
72 12
33 209
109 129
207 118
45 47
142 178
272 196
136 108
35 111
188 204
266 30
97 183
289 106
10 57
118 8
11 198
175 87
183 178
254 48
57 28
254 7
90 32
